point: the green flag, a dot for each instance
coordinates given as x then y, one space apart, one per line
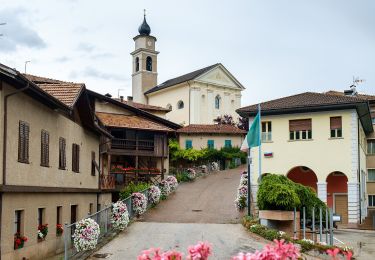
253 136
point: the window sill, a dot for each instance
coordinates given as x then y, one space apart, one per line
303 140
335 138
63 169
46 166
269 141
24 162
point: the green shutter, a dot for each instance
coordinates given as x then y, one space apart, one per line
210 144
228 143
188 144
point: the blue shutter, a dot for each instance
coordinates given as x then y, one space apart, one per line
211 144
188 144
228 143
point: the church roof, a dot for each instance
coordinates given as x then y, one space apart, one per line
181 79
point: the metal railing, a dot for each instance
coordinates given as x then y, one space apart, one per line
103 218
317 227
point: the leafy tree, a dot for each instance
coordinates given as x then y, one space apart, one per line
243 123
224 120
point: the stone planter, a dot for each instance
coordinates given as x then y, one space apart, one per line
280 220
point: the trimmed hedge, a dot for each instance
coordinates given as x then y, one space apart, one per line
277 192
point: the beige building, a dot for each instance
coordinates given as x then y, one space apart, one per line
210 136
50 153
212 89
318 140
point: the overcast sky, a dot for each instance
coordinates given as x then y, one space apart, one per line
274 48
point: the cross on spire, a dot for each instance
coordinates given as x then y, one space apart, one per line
144 12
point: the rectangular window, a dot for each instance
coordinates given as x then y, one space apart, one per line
91 208
93 163
23 142
59 215
371 175
228 143
371 200
266 131
210 144
44 149
188 144
75 158
62 153
40 216
371 146
300 129
336 126
18 223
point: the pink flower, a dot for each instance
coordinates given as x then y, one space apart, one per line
200 251
333 253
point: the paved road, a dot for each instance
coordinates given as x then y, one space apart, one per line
199 211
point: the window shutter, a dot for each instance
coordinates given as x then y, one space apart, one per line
77 157
21 141
62 153
336 122
73 157
27 133
300 125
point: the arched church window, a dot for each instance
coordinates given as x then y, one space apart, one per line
137 64
217 102
149 63
180 104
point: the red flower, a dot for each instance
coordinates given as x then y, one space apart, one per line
18 241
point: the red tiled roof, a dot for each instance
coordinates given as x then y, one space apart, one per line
42 80
211 129
359 95
303 100
67 93
131 121
144 106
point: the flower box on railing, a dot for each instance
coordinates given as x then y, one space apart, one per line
19 241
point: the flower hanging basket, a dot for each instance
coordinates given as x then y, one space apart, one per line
120 216
86 235
139 203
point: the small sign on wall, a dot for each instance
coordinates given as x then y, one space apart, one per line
268 154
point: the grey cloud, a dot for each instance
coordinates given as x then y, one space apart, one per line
16 33
94 73
62 59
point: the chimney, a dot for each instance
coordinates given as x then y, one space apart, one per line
122 99
108 95
130 100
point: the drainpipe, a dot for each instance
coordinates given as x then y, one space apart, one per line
5 128
359 174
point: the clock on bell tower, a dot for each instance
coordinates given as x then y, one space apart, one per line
144 74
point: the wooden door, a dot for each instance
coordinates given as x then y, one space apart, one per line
341 207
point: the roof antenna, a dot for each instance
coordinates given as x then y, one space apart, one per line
26 64
356 81
144 13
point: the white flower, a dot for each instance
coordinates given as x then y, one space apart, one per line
40 234
86 234
164 188
120 216
191 174
172 181
281 233
139 203
154 194
308 241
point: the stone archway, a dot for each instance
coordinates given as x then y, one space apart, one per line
337 194
303 175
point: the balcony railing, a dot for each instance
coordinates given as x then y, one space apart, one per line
131 144
107 182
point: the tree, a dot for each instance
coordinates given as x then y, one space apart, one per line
224 120
243 123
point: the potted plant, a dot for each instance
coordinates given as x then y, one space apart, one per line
59 229
19 241
42 232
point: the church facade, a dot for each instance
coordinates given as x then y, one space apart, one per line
197 97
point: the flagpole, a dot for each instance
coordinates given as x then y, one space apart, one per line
260 145
249 178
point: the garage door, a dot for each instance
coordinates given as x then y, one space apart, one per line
341 207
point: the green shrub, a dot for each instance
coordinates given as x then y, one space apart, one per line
271 234
182 177
248 221
132 187
305 246
277 192
258 229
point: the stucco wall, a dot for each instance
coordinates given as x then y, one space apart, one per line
106 107
200 141
172 96
29 203
23 107
321 154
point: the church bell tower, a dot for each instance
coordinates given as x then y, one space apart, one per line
145 74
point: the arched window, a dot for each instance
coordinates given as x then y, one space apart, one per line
149 63
217 102
169 106
180 104
137 64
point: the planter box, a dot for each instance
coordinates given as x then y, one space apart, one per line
280 215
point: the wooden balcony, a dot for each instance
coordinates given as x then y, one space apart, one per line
107 182
156 147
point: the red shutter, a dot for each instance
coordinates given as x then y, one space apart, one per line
300 125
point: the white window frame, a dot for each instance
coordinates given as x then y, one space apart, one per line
267 135
373 200
372 169
300 135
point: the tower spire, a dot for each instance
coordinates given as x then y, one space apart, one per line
144 28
